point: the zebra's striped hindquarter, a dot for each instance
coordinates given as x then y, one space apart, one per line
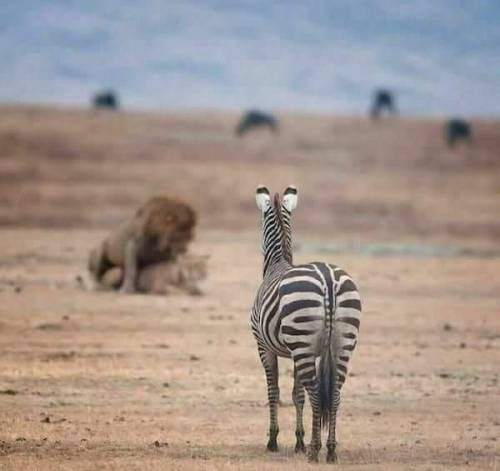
292 313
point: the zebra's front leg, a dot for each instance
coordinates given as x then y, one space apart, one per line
331 442
298 397
270 363
306 371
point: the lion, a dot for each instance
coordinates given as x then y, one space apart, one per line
160 231
183 275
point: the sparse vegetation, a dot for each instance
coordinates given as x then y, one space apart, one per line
149 382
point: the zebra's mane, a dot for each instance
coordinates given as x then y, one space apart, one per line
278 210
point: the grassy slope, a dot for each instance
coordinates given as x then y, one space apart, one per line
392 179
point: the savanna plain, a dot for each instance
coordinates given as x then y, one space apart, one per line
95 380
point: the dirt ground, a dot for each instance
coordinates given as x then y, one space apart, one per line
93 380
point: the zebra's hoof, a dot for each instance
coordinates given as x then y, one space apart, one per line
300 447
331 456
272 445
312 457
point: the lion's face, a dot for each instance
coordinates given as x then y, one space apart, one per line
178 232
168 229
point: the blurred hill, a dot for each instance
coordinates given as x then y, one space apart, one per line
357 179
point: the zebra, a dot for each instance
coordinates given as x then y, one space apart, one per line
302 312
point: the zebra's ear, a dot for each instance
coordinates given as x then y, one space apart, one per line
263 198
290 198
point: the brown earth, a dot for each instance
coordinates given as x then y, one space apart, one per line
389 179
94 380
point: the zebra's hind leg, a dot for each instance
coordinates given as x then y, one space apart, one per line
331 443
270 364
298 396
306 372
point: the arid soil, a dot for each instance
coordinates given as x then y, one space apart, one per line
93 380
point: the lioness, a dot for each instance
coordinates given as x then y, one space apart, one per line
180 276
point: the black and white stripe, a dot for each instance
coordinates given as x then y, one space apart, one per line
303 312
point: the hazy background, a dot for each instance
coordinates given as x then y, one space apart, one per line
441 58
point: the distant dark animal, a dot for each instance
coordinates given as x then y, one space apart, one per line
106 99
456 130
255 119
383 100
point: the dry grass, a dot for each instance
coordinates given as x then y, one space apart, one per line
390 179
92 380
113 374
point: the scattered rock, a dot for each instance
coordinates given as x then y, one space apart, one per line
166 385
463 345
18 289
159 444
444 375
194 358
46 420
377 413
9 392
447 327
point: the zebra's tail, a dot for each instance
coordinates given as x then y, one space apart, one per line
327 368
